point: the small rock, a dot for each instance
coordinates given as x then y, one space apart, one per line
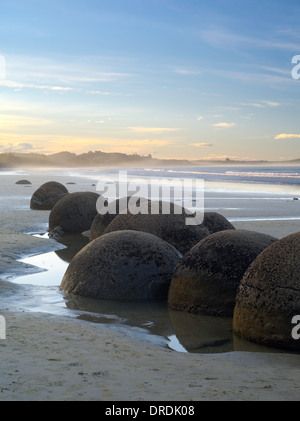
23 182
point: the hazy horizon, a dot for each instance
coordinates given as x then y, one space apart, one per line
100 158
177 79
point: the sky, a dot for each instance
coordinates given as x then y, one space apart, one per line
183 79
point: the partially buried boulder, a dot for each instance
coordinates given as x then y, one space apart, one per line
170 227
207 278
46 196
73 213
26 182
122 265
269 296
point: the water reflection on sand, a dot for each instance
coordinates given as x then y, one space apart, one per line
150 320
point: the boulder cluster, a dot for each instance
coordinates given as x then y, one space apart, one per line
211 269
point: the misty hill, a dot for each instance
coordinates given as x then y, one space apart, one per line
102 159
90 159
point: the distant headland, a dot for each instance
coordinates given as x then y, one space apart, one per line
106 159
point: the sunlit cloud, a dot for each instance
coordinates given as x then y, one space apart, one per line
20 147
201 145
220 157
13 122
225 125
98 93
287 136
12 142
153 129
200 117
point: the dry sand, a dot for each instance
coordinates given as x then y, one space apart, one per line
49 357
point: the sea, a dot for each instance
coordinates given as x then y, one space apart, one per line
239 192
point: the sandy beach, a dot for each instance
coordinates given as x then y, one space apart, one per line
51 357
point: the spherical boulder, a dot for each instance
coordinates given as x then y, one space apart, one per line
122 265
207 278
170 227
268 297
46 196
215 222
74 212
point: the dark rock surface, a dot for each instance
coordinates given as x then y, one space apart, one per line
122 265
74 212
269 295
170 227
46 196
23 182
207 278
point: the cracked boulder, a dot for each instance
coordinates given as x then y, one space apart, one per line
269 296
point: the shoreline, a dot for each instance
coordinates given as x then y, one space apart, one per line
50 357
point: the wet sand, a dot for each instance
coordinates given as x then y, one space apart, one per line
49 357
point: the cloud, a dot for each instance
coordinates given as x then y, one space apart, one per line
255 104
153 129
225 125
271 103
221 38
287 136
20 147
186 72
25 146
20 85
16 122
57 75
256 77
98 93
200 117
220 157
201 145
263 104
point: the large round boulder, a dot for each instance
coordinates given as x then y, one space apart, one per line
207 278
122 265
46 196
269 296
170 227
73 213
